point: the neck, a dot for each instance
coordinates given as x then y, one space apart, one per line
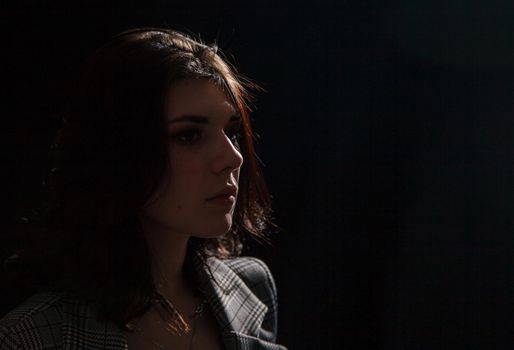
167 254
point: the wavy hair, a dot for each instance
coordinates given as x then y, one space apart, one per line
109 158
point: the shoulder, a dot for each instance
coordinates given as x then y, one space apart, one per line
51 320
33 323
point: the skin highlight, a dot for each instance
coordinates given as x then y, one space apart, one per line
203 159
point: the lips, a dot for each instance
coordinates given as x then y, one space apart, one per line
226 192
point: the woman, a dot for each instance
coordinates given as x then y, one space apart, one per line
155 182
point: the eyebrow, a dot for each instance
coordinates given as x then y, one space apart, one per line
199 119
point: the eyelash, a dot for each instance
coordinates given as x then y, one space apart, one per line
191 136
186 137
235 134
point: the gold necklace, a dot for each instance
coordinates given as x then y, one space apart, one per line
175 323
197 313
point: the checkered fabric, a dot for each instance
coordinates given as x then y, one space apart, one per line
240 292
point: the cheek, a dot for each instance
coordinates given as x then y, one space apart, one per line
186 177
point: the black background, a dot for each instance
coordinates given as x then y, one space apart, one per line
387 138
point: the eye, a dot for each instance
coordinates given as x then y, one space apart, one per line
234 133
187 137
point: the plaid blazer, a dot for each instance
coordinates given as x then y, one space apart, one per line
240 292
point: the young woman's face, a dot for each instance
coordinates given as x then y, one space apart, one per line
198 195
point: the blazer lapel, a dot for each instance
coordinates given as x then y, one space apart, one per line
238 311
234 305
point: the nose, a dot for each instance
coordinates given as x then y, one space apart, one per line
227 155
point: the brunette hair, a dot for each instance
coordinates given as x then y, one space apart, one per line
109 158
